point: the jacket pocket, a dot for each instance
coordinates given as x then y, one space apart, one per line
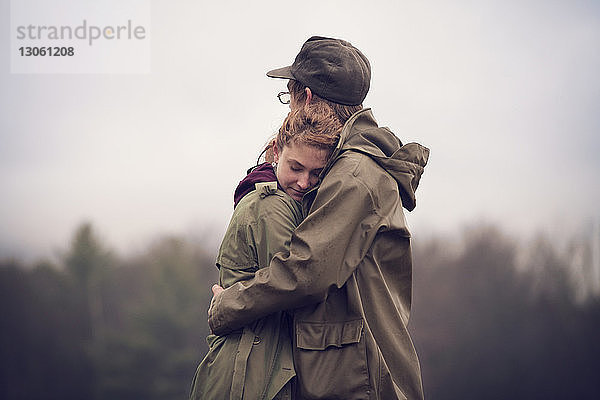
331 360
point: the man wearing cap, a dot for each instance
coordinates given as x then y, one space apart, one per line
348 274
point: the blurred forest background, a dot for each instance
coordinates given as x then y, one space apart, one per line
493 317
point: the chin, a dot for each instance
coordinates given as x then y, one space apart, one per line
296 196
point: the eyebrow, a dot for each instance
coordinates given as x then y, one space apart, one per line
293 161
318 170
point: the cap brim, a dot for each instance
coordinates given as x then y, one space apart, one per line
283 73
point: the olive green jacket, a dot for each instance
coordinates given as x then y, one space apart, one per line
348 273
254 362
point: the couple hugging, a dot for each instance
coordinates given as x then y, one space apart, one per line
315 269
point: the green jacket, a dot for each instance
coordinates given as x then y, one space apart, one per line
348 273
254 362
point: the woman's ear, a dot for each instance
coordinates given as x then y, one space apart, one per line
275 151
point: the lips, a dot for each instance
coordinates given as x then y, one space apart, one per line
297 193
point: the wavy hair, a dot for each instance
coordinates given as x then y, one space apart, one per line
313 125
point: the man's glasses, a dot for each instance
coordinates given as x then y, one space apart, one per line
284 97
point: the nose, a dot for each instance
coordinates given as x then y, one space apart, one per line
303 181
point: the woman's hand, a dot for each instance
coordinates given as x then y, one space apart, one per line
216 289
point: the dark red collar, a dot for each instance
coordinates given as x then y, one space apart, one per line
261 173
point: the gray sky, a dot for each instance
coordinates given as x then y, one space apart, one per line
505 94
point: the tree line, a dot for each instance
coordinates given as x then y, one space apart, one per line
96 325
489 323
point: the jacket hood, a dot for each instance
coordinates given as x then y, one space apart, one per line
404 162
259 173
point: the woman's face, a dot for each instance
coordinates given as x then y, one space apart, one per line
298 168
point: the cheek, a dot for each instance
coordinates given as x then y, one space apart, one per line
285 176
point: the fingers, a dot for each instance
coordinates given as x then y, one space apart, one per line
216 289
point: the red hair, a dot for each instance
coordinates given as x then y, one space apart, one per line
313 125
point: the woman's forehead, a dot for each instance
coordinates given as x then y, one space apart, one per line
307 155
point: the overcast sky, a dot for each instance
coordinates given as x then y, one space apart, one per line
506 95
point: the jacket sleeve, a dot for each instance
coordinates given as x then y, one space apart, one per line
324 251
275 224
256 232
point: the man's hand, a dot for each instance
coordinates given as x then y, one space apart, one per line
216 289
